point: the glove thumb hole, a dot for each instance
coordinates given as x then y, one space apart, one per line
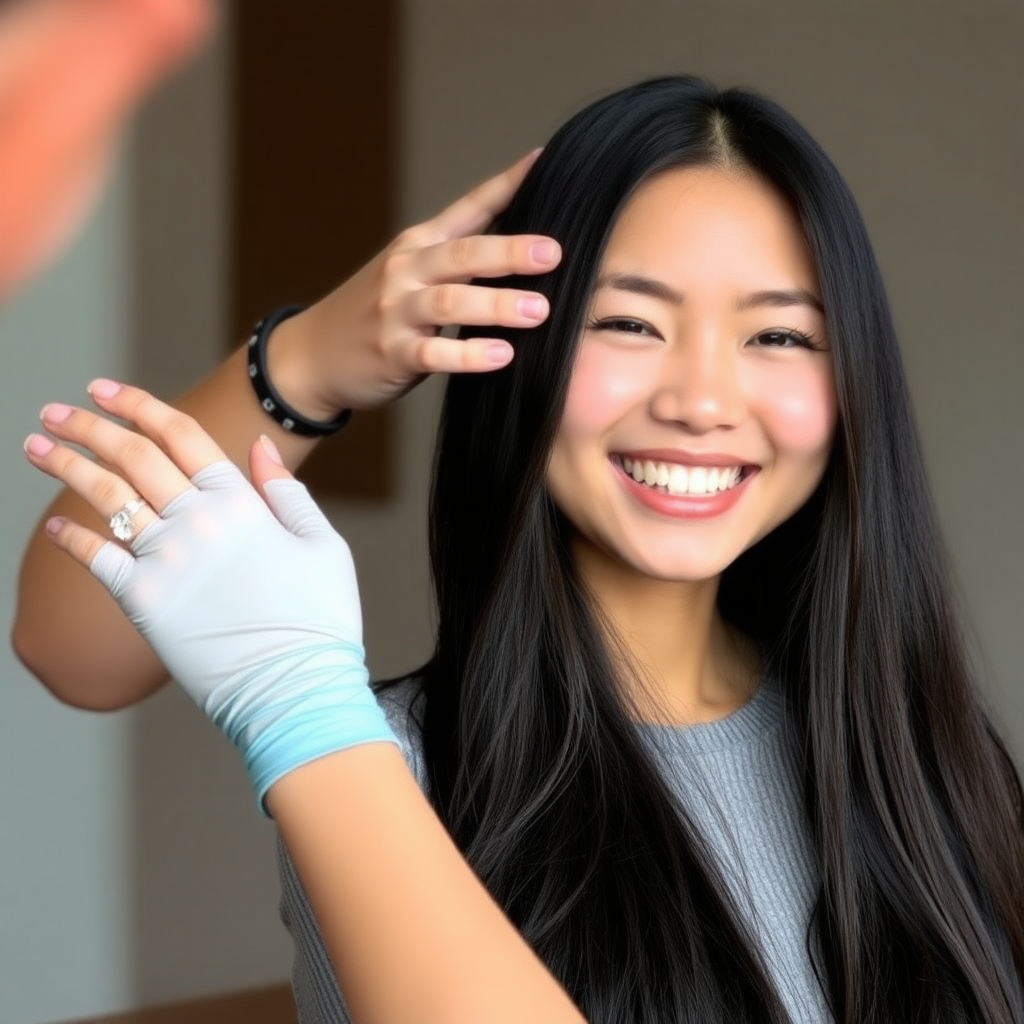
265 463
112 566
295 509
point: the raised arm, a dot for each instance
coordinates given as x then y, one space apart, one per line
271 650
363 345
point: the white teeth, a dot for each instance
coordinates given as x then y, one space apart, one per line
680 480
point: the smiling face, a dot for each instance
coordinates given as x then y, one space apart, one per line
701 409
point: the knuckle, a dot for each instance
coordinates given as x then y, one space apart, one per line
60 459
462 254
132 402
411 238
394 264
107 492
444 300
466 357
89 429
75 540
134 448
422 359
180 426
384 307
503 305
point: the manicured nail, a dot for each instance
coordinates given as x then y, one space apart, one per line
54 525
271 449
498 353
103 388
544 252
533 307
37 444
55 412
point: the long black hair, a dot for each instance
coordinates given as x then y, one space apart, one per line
533 758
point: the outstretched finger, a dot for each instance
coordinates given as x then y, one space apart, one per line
454 355
444 305
469 256
474 211
111 497
178 434
137 459
84 545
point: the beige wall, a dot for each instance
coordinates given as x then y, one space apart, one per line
920 106
132 866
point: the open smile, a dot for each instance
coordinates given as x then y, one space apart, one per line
682 480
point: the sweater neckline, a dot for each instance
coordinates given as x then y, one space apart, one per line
746 725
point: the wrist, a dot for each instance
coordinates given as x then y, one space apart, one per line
294 367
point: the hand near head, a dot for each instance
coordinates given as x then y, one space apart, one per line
246 593
379 333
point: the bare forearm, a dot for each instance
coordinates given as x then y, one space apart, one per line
363 345
413 934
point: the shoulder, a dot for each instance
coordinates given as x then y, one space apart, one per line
403 703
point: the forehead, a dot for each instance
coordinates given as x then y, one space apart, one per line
710 227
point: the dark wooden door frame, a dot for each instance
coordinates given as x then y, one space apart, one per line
314 181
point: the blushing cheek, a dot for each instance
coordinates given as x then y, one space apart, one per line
799 408
603 386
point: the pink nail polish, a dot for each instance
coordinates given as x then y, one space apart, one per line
533 307
544 252
498 353
55 412
103 388
54 525
38 445
271 449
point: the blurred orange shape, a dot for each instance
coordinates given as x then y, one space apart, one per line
70 73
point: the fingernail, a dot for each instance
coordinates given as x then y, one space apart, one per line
499 353
55 524
533 307
103 388
55 412
36 444
544 252
271 449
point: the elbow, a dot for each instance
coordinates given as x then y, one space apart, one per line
43 658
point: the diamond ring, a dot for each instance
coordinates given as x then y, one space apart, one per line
122 524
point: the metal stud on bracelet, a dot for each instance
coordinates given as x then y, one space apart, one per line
273 404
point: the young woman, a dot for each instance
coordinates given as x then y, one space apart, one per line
699 717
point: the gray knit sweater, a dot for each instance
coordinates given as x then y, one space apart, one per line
737 782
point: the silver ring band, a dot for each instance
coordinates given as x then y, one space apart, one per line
122 523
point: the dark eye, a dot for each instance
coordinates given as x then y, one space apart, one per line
785 339
622 325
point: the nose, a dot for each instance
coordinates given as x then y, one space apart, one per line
699 385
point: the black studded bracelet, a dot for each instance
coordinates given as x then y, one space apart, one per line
273 404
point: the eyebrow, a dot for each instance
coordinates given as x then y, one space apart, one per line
640 285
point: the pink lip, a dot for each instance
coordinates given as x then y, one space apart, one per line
684 506
683 458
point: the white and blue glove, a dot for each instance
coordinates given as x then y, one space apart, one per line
253 607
